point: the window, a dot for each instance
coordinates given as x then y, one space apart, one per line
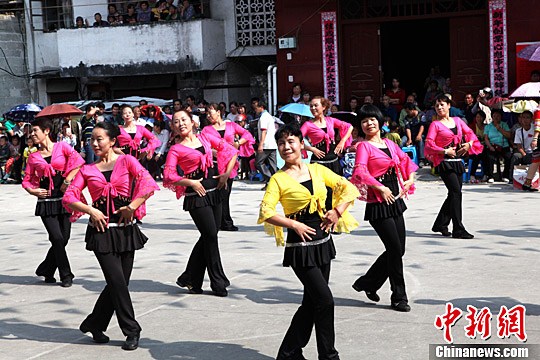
255 23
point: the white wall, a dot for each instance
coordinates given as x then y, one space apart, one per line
200 40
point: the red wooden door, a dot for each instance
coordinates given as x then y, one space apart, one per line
361 62
469 53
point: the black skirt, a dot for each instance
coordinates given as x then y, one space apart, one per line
382 210
448 166
115 239
330 159
52 205
302 254
213 196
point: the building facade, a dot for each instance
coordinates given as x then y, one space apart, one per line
219 55
378 40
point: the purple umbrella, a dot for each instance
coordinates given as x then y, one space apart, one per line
527 90
531 53
23 112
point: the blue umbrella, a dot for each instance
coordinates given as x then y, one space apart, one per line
297 109
23 112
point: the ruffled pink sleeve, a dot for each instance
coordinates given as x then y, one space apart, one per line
74 194
170 172
30 180
361 176
225 153
153 141
246 149
73 159
343 128
469 135
144 184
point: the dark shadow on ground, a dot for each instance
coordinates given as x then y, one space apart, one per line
197 350
493 303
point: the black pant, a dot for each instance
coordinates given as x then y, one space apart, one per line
115 296
205 253
226 220
317 308
59 229
519 159
494 159
389 265
451 208
484 157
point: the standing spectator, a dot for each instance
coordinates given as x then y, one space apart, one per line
353 104
296 96
431 94
131 16
99 22
88 121
115 117
158 159
468 110
144 15
306 98
233 108
173 13
523 140
79 23
113 11
73 125
188 11
67 136
397 95
161 10
368 99
266 161
412 100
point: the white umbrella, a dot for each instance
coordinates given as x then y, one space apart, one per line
527 90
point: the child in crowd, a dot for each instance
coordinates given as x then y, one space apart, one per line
394 133
67 136
30 148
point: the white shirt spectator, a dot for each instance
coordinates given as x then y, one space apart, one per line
231 117
524 137
266 122
163 137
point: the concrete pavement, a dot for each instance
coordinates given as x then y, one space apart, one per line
498 267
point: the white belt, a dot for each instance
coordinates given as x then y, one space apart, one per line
453 160
308 243
47 200
112 224
325 161
195 193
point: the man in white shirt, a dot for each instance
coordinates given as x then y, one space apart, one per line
522 140
266 161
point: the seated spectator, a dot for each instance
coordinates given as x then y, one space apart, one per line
131 16
7 152
17 159
414 129
99 22
523 139
334 108
387 109
431 94
478 128
496 136
410 99
145 15
173 13
187 12
394 133
30 148
161 11
67 136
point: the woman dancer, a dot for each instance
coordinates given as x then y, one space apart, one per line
321 134
48 173
131 136
119 186
204 187
448 140
309 249
228 131
384 174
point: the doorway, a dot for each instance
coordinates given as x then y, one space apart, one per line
409 49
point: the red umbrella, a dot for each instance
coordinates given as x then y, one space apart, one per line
59 110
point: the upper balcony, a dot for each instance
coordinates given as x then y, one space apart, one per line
155 48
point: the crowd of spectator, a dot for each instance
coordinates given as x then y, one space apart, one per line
142 12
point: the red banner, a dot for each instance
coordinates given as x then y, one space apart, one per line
330 57
498 47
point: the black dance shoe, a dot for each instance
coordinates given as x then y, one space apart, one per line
220 293
463 235
401 306
50 280
67 283
229 228
191 289
443 230
98 335
528 188
132 342
371 295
